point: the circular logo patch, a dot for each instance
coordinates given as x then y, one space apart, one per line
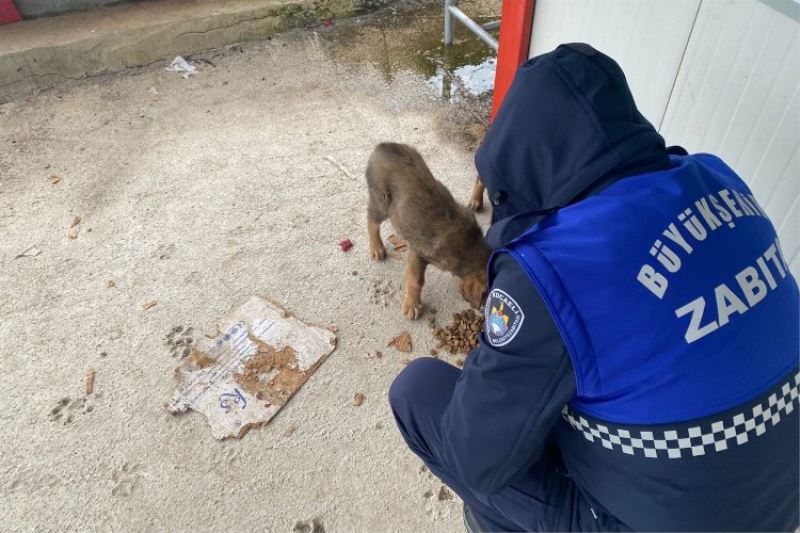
503 318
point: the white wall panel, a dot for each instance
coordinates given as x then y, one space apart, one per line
718 76
646 37
737 95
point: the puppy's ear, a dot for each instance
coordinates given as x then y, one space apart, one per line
473 289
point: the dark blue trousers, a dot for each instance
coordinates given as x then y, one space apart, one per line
544 499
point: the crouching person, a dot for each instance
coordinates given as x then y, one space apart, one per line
638 369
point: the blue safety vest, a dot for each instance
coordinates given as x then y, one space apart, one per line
670 291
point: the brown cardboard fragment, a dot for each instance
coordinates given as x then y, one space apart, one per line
240 378
89 387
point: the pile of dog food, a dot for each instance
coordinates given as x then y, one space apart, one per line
461 336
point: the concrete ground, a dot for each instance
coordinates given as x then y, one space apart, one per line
196 194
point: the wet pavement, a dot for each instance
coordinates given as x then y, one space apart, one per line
412 39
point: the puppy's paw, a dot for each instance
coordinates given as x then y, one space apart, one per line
476 202
411 308
377 251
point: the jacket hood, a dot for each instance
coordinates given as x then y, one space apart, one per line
567 127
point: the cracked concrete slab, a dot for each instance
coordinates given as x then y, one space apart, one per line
38 54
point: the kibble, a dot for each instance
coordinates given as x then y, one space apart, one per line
461 335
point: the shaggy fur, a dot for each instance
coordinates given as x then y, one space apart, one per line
437 229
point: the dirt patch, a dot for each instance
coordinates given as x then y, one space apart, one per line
461 335
402 342
468 119
198 360
271 374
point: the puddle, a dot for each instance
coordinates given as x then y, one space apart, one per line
412 39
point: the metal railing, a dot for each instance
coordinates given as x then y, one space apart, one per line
452 13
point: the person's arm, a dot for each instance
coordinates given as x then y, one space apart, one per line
508 397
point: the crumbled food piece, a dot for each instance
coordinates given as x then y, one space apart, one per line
402 342
445 494
75 221
434 353
345 244
73 233
148 305
55 179
358 399
289 431
110 283
461 335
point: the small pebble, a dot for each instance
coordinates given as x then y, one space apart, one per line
358 399
444 494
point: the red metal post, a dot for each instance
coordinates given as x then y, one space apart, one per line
515 40
8 12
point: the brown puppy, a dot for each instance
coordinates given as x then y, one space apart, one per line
438 230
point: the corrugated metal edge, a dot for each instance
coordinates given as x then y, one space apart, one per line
790 8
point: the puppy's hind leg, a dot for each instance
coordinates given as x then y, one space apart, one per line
413 282
476 198
375 217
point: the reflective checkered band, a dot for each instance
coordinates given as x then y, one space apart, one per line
714 436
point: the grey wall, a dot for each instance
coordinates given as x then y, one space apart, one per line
40 8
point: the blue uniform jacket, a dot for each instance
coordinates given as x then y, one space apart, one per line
567 130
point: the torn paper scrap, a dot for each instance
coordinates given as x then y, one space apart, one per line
240 378
179 64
